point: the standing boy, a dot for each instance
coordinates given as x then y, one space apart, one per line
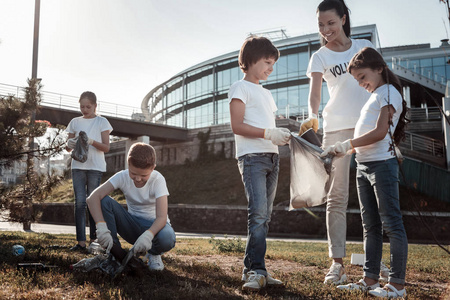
145 224
252 109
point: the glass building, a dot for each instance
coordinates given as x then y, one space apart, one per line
197 97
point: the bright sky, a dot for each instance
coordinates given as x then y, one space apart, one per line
121 49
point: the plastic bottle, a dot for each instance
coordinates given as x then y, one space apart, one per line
95 248
88 264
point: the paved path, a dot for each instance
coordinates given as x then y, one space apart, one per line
70 229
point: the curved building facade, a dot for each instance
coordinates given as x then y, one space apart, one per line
197 97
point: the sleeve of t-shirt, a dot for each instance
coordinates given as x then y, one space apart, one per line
160 187
315 65
69 127
105 125
394 98
237 91
117 180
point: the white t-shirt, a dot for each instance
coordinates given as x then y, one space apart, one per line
368 120
93 128
346 96
141 202
260 111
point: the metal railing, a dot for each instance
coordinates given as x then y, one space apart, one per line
424 114
423 144
67 102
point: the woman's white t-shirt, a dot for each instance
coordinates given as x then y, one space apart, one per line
141 202
93 128
368 120
346 96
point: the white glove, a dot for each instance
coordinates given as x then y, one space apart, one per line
104 236
71 143
311 122
143 243
90 141
278 136
339 149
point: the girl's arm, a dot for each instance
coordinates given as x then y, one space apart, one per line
380 130
161 215
237 112
104 145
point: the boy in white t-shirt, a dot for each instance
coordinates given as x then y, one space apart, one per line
146 224
252 110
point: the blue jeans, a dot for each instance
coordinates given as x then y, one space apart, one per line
84 183
130 227
378 193
260 176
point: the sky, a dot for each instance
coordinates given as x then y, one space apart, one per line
121 49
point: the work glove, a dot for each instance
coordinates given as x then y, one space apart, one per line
278 136
72 142
143 243
339 149
311 122
90 141
104 236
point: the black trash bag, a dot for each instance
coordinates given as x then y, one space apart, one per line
81 150
309 172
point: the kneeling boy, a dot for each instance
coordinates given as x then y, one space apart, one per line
146 224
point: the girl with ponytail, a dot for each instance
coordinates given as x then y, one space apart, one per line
377 172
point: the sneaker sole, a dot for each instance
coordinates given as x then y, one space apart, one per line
341 281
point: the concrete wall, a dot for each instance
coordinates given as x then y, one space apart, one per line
223 219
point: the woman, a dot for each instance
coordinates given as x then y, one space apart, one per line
86 176
339 116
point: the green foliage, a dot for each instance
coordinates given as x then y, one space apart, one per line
18 130
228 245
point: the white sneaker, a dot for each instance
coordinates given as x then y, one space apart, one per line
388 292
384 272
254 281
361 285
269 279
154 262
336 274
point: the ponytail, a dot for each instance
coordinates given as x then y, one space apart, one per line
341 10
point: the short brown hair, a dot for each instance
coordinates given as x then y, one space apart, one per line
255 48
142 156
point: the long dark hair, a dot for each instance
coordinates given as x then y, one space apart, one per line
341 10
370 58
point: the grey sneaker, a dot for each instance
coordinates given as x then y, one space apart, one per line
361 285
254 281
154 262
269 280
336 274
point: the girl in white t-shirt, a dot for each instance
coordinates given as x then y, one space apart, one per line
340 114
377 172
86 176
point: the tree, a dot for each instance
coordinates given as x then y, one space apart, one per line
18 131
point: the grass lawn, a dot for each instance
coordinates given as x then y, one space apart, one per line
202 269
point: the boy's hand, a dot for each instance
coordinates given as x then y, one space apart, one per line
104 236
339 149
311 122
71 143
143 243
278 136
